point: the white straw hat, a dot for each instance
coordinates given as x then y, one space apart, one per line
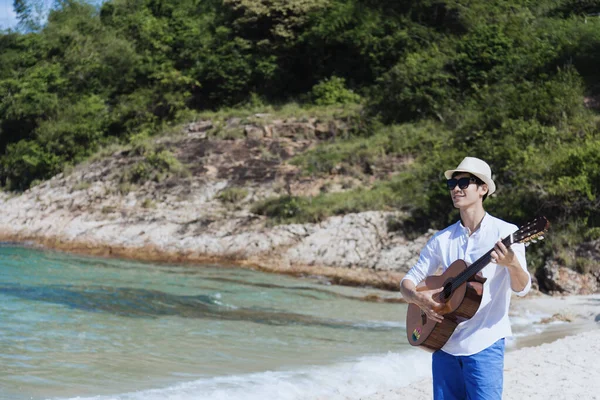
475 167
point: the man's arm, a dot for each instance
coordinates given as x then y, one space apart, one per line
428 262
519 277
423 299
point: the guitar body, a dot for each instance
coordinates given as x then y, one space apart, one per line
462 303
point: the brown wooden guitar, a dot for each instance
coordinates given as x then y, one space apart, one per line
461 297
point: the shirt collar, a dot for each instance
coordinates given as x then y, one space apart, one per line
484 222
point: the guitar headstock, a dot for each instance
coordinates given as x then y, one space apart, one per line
532 231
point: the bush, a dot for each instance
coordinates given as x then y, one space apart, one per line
25 161
76 130
294 209
343 155
155 166
232 195
333 91
285 208
417 87
482 54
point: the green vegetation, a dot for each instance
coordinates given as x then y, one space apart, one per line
156 166
427 82
314 209
232 195
147 203
333 91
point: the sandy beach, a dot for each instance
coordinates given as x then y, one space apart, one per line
563 362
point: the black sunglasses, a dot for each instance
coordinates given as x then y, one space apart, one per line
462 183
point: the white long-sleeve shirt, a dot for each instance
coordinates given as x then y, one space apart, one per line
491 321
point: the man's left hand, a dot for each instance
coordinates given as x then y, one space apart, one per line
504 256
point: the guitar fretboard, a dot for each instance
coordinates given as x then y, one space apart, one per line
469 272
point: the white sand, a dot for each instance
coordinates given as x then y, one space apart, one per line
563 368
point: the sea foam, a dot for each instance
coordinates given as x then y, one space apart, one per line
348 380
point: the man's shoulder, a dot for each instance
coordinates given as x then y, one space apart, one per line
501 225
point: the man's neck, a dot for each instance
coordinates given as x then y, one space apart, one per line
471 217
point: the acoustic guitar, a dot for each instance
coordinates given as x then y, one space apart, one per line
461 296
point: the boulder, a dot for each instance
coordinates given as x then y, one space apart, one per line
555 279
254 132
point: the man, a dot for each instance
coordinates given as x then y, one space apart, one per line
470 365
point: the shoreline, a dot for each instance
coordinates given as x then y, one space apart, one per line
386 280
354 277
559 363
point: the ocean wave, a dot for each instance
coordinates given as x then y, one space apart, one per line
350 380
381 325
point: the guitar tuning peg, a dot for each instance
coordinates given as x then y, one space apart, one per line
527 244
533 240
541 238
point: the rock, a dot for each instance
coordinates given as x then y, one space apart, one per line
555 279
253 132
197 135
401 254
268 131
233 122
293 130
199 126
325 131
557 318
345 241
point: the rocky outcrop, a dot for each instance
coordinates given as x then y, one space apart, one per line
261 126
202 229
555 279
205 215
95 210
357 240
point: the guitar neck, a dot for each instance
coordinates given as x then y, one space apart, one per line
478 265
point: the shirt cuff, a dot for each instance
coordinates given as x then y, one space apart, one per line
525 289
410 278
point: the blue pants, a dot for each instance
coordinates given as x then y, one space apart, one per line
475 377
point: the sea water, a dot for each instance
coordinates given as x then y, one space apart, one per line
92 328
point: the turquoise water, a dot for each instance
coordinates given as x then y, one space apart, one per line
81 327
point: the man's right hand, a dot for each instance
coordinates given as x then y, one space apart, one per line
426 303
423 299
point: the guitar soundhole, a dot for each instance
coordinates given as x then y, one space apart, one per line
446 293
423 318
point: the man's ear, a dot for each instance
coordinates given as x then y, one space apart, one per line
486 188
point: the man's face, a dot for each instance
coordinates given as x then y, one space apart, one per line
472 194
